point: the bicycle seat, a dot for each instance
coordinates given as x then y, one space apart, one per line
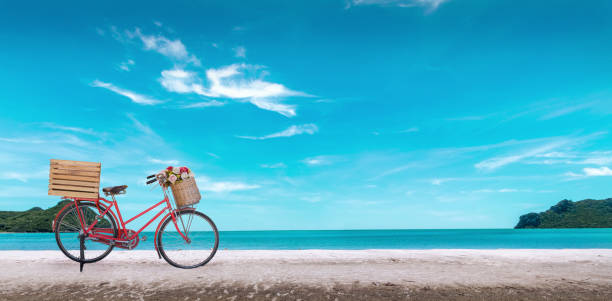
114 189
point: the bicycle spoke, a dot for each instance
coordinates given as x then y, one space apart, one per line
76 217
83 218
70 226
87 214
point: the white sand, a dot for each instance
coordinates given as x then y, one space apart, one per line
524 268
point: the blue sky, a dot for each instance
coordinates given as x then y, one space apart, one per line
315 114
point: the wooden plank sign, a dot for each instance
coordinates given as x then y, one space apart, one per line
74 178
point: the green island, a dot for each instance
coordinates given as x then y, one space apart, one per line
567 214
33 220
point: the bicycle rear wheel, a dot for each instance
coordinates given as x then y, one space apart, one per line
202 243
68 229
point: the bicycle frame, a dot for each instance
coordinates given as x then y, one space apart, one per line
122 234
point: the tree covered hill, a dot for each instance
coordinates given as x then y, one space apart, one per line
567 214
33 220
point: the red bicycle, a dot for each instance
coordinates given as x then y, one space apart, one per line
87 230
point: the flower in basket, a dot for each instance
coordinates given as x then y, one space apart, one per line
172 178
173 174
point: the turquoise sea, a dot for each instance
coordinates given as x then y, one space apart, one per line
369 239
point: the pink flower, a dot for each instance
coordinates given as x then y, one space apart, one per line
169 168
184 169
184 175
172 179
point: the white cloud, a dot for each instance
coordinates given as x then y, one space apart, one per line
240 52
410 130
125 66
576 158
23 140
232 82
174 49
135 97
141 126
597 160
24 176
312 161
204 104
181 81
69 128
554 155
274 106
275 165
567 110
163 162
437 181
53 138
497 162
601 171
206 184
430 5
591 172
394 170
293 130
100 31
318 160
229 82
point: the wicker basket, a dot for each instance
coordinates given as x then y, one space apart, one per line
186 193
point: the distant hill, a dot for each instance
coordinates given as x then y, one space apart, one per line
567 214
33 220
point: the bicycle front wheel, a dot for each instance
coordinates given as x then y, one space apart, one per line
195 247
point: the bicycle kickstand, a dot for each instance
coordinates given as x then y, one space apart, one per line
82 255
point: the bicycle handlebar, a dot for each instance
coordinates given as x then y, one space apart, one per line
151 181
151 176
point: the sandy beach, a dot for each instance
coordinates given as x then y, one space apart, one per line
315 275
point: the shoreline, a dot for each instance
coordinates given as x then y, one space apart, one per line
501 274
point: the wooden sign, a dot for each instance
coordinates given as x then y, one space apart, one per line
74 178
